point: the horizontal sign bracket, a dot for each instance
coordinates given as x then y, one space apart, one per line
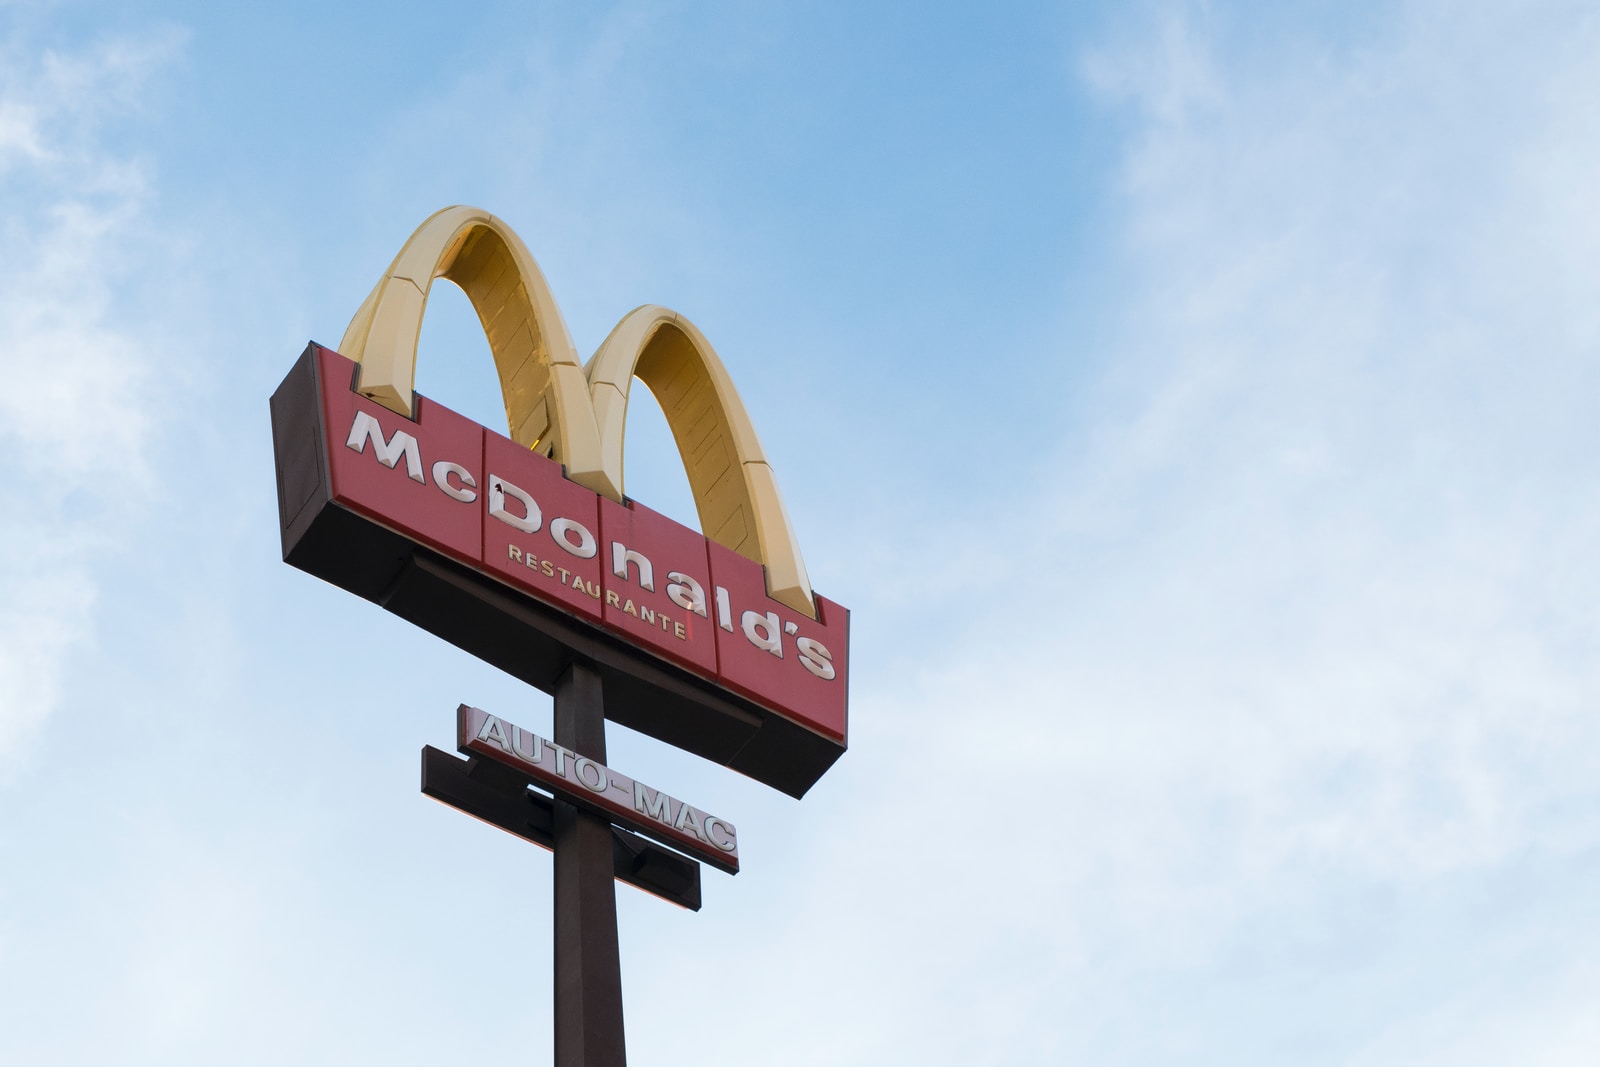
500 797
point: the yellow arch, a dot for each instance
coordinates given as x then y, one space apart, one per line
734 488
573 414
541 379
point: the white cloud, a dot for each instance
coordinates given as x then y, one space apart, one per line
75 407
1358 470
1310 618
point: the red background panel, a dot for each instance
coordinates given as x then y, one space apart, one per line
557 498
421 510
669 546
782 684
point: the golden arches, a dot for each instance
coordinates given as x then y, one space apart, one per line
546 394
734 488
576 414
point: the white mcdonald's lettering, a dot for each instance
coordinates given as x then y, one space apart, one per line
770 641
570 534
815 657
365 428
685 592
517 508
442 471
622 555
585 547
528 521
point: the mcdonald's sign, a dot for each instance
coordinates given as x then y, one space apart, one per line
523 549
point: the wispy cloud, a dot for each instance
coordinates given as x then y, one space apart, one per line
74 411
1357 470
1297 639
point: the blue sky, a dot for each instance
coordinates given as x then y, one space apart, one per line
1194 403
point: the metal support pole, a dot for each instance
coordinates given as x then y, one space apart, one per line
588 986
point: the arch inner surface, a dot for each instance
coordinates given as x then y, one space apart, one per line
575 414
541 380
734 489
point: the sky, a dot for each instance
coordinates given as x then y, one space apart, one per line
1194 403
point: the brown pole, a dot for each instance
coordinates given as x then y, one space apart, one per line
588 986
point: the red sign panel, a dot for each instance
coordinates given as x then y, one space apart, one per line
658 585
510 515
541 532
387 466
764 647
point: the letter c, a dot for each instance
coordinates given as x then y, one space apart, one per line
712 825
441 477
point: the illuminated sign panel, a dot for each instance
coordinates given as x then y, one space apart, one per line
489 545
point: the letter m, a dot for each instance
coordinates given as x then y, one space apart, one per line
648 802
366 428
